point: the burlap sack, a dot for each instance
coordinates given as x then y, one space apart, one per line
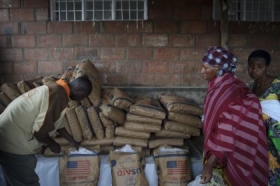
114 113
68 73
144 127
37 84
180 127
105 120
23 86
74 74
119 98
5 101
188 119
174 103
95 141
171 134
95 122
142 119
73 103
48 79
120 141
85 102
10 90
74 124
153 143
173 166
66 125
121 131
61 141
84 122
36 80
110 131
149 108
127 169
79 170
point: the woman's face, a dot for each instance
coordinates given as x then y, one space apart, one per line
257 68
209 72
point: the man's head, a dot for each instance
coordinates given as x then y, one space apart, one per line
80 88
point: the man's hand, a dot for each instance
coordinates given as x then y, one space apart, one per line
55 148
69 138
76 144
207 171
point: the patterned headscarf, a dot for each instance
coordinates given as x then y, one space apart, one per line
222 57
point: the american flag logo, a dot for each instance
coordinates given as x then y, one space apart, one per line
78 167
176 167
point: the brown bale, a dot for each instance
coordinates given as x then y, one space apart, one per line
74 124
84 122
23 86
10 90
180 127
95 122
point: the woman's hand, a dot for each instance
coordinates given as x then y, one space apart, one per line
207 170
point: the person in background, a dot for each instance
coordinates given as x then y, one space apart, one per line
267 89
235 142
29 122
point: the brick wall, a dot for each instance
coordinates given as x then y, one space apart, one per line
165 50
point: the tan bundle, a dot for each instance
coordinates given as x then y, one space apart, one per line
73 103
86 102
36 80
178 104
180 127
172 134
37 84
10 90
47 80
148 107
188 119
120 141
121 131
114 113
74 124
4 99
153 143
108 124
84 122
74 74
95 122
23 86
66 125
61 141
145 127
67 75
119 98
142 119
95 141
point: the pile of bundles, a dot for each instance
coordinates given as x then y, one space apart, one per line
111 118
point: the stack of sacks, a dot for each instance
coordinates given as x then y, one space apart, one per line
183 117
144 117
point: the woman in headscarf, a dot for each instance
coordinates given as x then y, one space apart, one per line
267 88
235 142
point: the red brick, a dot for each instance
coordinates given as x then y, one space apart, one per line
112 53
140 53
168 79
10 4
83 52
36 3
35 54
14 78
61 54
49 67
187 13
156 67
206 12
140 27
86 27
141 79
105 66
193 27
26 14
3 41
176 3
60 27
49 41
33 27
114 26
181 67
42 14
8 28
181 40
163 27
155 40
101 40
128 67
241 53
240 27
124 40
115 79
213 27
11 54
166 53
23 41
237 40
157 13
75 40
6 67
192 53
194 80
207 40
264 41
4 15
25 67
